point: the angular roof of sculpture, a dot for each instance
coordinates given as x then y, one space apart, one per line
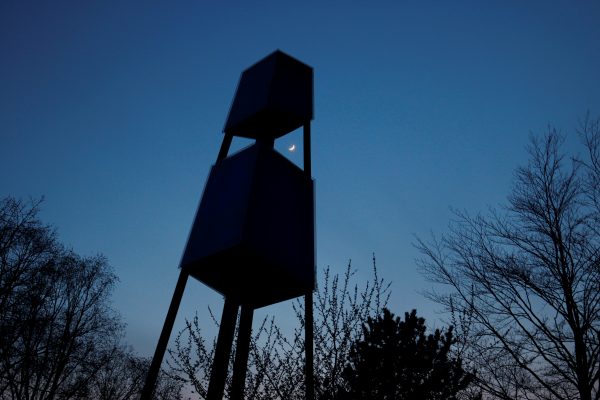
274 97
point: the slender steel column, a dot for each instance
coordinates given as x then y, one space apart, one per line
308 298
161 347
218 373
225 144
306 147
242 349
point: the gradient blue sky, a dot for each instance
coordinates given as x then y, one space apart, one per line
113 111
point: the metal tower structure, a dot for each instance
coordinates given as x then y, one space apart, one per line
253 237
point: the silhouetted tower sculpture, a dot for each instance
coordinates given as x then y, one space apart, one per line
253 236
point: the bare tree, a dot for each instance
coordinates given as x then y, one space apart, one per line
59 336
122 377
525 279
56 322
276 363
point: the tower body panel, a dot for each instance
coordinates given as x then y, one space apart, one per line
253 236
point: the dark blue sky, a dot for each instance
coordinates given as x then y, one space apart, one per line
113 111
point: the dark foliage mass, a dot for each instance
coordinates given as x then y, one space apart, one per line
398 360
525 279
59 336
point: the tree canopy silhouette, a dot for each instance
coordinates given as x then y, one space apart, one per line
525 279
397 359
59 336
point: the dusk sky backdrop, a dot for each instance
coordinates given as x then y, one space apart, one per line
113 111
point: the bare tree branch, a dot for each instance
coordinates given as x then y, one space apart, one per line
525 280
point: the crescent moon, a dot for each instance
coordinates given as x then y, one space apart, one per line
292 148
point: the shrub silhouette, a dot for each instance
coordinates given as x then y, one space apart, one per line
397 360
